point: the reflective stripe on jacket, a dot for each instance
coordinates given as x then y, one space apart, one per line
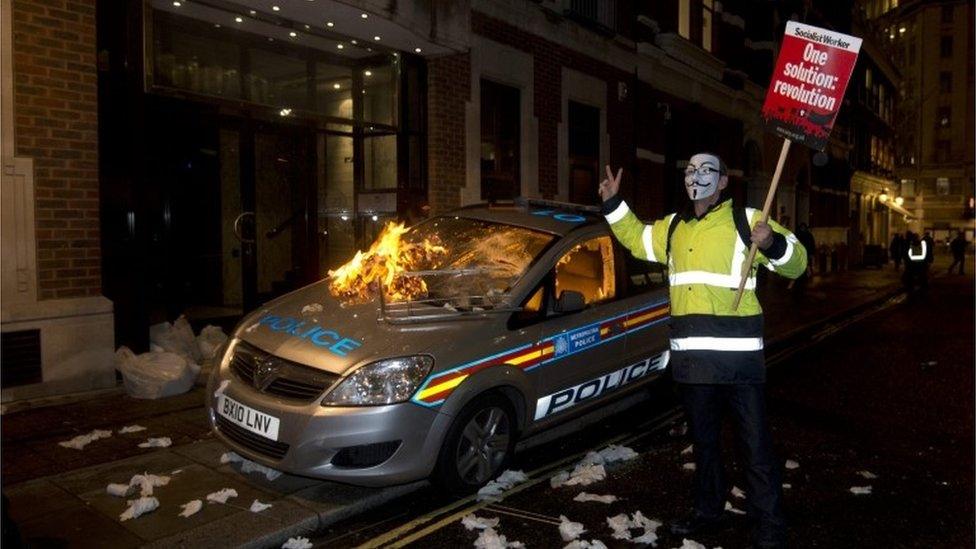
710 342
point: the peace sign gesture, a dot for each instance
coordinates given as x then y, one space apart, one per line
610 185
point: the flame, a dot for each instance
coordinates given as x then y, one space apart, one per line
385 262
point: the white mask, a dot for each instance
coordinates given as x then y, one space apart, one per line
702 176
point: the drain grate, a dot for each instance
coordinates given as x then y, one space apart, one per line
20 353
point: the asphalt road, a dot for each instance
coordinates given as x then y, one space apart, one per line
891 395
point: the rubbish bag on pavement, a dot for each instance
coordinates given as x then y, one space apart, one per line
209 340
176 338
155 374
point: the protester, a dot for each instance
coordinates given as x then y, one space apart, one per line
716 350
929 249
958 249
916 262
896 249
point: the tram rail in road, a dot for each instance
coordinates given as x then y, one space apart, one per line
439 518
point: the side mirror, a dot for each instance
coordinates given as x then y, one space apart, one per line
570 301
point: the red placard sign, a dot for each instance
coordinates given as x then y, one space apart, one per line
807 88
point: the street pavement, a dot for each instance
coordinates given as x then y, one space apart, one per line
885 406
57 495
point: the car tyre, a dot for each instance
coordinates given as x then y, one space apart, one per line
478 445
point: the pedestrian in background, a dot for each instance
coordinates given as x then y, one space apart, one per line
896 250
929 249
958 249
916 262
716 351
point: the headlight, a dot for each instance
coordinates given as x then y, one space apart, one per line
384 382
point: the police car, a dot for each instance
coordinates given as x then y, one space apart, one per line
486 325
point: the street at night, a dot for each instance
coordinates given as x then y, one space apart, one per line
884 387
579 274
890 395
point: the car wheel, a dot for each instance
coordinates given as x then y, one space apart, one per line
478 445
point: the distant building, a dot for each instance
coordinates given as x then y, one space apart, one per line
874 202
932 44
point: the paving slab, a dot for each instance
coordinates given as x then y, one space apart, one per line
208 453
97 477
36 498
193 482
205 452
281 486
75 526
269 528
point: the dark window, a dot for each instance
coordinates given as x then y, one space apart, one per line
945 117
584 152
911 52
500 128
643 276
947 13
945 47
942 150
193 55
602 13
945 82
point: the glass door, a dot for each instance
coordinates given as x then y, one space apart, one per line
275 228
187 210
335 196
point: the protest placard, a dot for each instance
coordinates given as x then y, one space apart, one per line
805 94
808 83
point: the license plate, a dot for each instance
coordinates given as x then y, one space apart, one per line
248 418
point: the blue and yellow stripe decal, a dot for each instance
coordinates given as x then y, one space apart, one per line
436 388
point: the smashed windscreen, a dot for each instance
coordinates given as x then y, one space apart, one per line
450 262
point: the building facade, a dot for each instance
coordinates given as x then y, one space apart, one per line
876 207
201 157
932 45
57 325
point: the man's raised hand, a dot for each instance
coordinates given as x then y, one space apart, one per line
610 185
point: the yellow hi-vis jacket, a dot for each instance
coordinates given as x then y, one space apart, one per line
710 342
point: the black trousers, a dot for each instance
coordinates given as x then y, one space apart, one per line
916 274
706 406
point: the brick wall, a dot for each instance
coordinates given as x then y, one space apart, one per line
56 124
448 89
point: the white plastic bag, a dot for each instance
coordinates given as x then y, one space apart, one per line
176 338
155 375
209 340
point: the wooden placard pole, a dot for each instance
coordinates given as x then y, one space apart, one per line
747 263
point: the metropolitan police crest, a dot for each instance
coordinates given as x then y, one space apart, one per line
561 345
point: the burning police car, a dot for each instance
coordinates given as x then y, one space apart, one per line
431 353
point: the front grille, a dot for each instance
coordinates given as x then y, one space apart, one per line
295 389
251 441
289 380
243 369
366 455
